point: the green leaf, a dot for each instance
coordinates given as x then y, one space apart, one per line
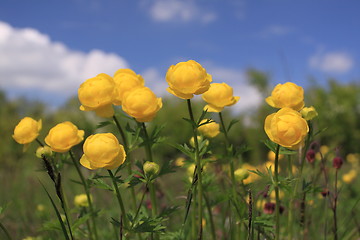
167 167
99 183
284 151
202 116
103 124
63 228
184 149
232 123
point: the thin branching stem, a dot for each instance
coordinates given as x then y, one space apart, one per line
118 196
199 169
277 204
87 192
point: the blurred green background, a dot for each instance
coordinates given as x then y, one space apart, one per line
338 106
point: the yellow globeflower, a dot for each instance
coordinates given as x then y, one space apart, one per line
187 78
350 176
287 95
125 81
102 150
81 200
219 96
27 130
64 136
151 168
97 94
309 113
286 128
209 130
142 104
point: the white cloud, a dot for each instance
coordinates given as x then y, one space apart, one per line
332 62
178 10
30 60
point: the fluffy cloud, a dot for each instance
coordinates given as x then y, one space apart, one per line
178 10
30 60
332 62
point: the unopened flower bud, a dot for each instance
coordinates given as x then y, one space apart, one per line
44 151
151 168
325 192
269 208
337 162
308 113
241 174
310 156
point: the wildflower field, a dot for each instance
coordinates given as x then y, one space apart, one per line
118 162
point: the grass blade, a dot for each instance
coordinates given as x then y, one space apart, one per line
57 213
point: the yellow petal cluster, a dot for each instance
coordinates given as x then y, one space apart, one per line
125 81
187 78
209 130
142 104
64 136
219 96
27 130
97 94
286 128
287 95
102 150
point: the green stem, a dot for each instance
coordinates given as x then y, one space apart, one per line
126 148
198 165
139 207
149 157
87 192
39 142
232 169
118 196
277 204
211 220
335 206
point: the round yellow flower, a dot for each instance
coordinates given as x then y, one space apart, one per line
81 200
125 81
209 130
27 130
97 94
286 128
309 113
219 96
142 104
187 78
350 176
64 136
102 150
287 95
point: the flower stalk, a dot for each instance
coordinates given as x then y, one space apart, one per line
198 169
87 192
277 205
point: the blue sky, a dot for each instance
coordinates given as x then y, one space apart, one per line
49 47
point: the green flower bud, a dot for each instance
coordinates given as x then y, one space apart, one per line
46 151
241 174
151 168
